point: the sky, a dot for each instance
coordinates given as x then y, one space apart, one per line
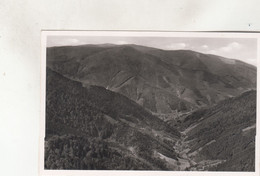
244 49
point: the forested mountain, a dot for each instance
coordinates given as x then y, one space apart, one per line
159 80
122 107
99 129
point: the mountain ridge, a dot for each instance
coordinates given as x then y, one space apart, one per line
136 46
194 79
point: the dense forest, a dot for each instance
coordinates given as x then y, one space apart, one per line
78 118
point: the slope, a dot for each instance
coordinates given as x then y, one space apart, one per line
160 81
223 135
94 128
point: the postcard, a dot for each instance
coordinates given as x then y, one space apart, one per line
149 103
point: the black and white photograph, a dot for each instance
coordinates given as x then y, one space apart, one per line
129 88
149 101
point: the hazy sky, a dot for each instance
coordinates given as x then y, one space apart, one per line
244 49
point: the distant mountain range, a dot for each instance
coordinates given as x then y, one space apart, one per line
161 81
115 98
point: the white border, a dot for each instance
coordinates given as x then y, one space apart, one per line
137 34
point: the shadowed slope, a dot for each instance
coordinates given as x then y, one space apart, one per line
224 132
93 116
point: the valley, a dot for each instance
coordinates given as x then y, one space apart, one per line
131 107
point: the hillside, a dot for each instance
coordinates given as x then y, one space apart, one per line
99 129
224 134
159 80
